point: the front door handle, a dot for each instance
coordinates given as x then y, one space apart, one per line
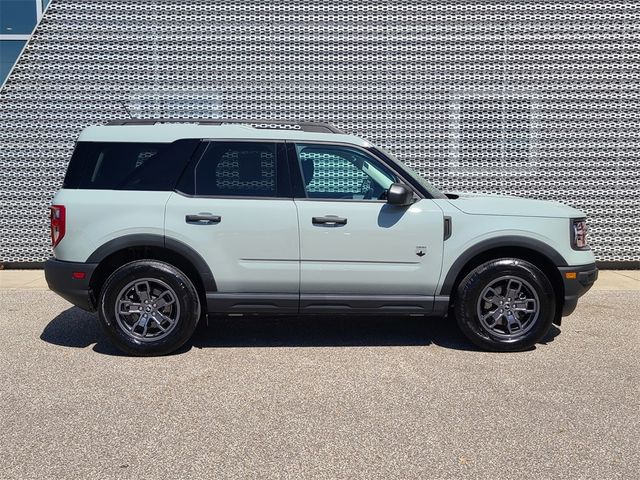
329 220
203 219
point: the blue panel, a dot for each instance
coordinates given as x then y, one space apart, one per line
9 51
17 16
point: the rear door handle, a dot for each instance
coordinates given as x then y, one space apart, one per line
203 219
329 220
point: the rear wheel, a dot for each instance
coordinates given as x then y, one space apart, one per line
505 305
148 307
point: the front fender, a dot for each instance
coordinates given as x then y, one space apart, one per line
497 242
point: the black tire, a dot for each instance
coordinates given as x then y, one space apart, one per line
513 330
180 315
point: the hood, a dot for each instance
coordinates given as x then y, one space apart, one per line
478 204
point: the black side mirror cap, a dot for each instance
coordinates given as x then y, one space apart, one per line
399 194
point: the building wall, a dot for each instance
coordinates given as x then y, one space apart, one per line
539 99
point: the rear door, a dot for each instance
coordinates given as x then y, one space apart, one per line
357 251
234 207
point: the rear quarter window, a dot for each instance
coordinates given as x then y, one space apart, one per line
128 166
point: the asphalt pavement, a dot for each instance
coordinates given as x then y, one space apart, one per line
319 398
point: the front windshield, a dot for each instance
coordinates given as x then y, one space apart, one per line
431 190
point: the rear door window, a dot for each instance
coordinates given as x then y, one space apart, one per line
239 169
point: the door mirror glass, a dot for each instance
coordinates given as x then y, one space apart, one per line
399 194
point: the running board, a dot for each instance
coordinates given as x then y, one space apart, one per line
322 304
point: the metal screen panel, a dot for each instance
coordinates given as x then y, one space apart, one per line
539 99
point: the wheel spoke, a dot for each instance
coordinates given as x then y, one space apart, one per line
161 300
513 288
143 322
526 306
164 317
158 322
494 298
513 321
494 315
143 293
127 307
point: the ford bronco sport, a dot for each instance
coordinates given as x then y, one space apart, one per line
161 222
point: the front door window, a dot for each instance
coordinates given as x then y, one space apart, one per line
337 172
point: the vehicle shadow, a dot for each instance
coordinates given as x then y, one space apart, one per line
78 329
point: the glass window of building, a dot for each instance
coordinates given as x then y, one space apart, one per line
18 19
9 51
18 16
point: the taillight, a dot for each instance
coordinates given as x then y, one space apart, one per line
58 224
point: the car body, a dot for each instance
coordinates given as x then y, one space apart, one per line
263 219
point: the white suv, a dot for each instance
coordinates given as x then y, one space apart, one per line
161 222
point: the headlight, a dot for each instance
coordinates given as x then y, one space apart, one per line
579 234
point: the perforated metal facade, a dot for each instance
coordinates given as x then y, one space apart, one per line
540 99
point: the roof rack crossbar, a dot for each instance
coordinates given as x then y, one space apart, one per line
261 124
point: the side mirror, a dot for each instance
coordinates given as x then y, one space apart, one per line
399 194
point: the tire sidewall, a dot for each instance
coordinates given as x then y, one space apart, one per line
471 287
186 296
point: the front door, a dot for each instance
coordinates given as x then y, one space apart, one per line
357 251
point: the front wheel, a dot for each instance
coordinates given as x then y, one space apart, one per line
506 304
148 307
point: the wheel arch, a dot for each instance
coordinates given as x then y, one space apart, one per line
119 251
534 251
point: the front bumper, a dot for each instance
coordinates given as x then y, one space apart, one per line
576 286
61 280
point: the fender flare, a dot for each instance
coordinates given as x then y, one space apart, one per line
159 241
504 241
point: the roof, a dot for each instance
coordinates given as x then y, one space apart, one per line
167 132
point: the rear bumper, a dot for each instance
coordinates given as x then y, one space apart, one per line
60 279
574 288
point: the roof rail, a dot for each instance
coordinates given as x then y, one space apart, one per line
261 124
